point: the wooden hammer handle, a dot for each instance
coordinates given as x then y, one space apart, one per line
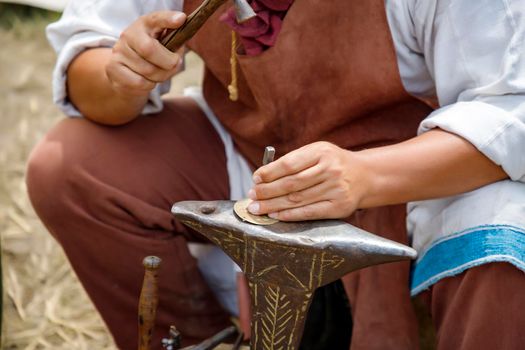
149 299
175 38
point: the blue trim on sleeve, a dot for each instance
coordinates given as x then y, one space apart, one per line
454 254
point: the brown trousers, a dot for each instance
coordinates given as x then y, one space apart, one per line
105 194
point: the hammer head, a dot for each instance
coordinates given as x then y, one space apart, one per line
243 10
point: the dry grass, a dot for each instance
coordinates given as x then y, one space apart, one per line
45 306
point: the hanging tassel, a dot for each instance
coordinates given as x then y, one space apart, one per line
232 88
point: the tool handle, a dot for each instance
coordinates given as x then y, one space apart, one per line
149 299
175 38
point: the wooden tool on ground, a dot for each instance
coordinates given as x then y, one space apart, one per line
149 298
174 39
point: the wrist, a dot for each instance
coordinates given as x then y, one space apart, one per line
374 188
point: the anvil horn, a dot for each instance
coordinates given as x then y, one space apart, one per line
286 262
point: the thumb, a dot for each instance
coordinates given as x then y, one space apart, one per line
160 20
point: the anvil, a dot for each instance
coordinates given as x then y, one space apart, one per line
286 262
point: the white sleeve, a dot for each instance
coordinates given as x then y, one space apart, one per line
474 52
97 23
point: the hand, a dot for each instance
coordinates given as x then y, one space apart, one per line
138 60
317 181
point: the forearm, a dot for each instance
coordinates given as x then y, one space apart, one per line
435 164
90 90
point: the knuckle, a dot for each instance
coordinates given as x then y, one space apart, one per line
260 191
323 146
289 185
285 215
175 61
308 212
146 48
336 172
287 166
148 70
295 197
124 36
262 174
163 76
138 83
154 16
340 190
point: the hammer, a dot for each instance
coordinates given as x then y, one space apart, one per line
175 38
286 262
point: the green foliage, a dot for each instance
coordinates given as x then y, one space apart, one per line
12 15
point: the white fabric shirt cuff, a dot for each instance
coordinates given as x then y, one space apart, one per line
492 130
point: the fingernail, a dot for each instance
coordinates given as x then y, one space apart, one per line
254 208
274 215
257 179
251 194
177 17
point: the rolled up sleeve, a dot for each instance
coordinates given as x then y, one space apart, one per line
475 53
494 131
89 24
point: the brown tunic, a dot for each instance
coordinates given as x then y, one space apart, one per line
331 76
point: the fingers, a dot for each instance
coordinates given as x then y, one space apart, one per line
160 20
139 60
317 193
147 69
150 50
314 211
288 184
129 82
288 164
319 180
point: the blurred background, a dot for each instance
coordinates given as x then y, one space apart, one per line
45 307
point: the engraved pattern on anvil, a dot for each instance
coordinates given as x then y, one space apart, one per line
279 310
286 262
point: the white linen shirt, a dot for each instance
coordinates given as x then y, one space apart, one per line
470 56
467 55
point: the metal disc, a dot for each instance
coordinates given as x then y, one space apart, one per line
241 209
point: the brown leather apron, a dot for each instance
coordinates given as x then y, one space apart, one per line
332 75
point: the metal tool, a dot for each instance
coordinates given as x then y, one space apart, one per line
238 342
269 155
217 339
174 340
286 262
243 10
149 298
175 38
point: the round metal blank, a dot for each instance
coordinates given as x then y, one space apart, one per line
241 209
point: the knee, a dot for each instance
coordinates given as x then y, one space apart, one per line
44 170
